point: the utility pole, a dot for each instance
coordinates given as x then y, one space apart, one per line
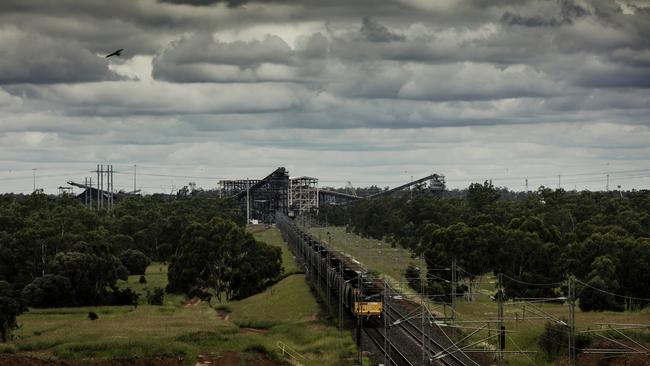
110 187
43 249
559 182
424 341
454 285
572 320
90 193
34 179
527 185
340 295
501 331
359 320
135 175
248 201
86 192
386 325
98 189
607 185
327 281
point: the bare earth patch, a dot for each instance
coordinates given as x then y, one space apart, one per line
223 314
16 360
19 360
192 302
253 330
232 358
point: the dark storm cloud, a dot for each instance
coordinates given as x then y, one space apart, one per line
203 48
397 51
376 32
568 11
230 3
29 58
533 21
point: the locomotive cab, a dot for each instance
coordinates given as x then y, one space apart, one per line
368 309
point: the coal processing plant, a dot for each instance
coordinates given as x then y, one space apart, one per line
263 198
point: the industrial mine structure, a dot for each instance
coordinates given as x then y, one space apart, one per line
262 198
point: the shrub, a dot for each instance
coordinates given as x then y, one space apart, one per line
202 294
143 279
412 274
49 291
553 339
261 349
123 297
93 315
10 308
156 297
135 261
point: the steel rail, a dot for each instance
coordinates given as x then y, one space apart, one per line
416 335
404 360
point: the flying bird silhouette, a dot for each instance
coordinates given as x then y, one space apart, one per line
116 53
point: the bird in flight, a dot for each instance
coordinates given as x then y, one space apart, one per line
116 53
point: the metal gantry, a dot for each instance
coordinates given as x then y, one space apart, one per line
303 195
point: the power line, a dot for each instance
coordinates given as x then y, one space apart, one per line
611 293
172 175
533 284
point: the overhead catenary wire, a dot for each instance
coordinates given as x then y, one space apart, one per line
533 283
611 293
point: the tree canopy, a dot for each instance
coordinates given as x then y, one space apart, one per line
602 238
222 256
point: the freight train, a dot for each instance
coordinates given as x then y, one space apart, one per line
358 292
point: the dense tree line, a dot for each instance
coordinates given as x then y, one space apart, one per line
55 252
602 238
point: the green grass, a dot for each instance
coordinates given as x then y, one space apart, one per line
156 275
287 301
120 331
284 312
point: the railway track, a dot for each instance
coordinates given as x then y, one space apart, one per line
417 334
394 356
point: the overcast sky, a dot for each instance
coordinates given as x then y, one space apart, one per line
369 91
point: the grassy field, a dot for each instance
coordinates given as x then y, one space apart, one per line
390 263
286 312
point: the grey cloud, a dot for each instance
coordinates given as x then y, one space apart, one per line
199 58
230 3
136 98
532 21
203 48
568 11
30 58
477 82
376 32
